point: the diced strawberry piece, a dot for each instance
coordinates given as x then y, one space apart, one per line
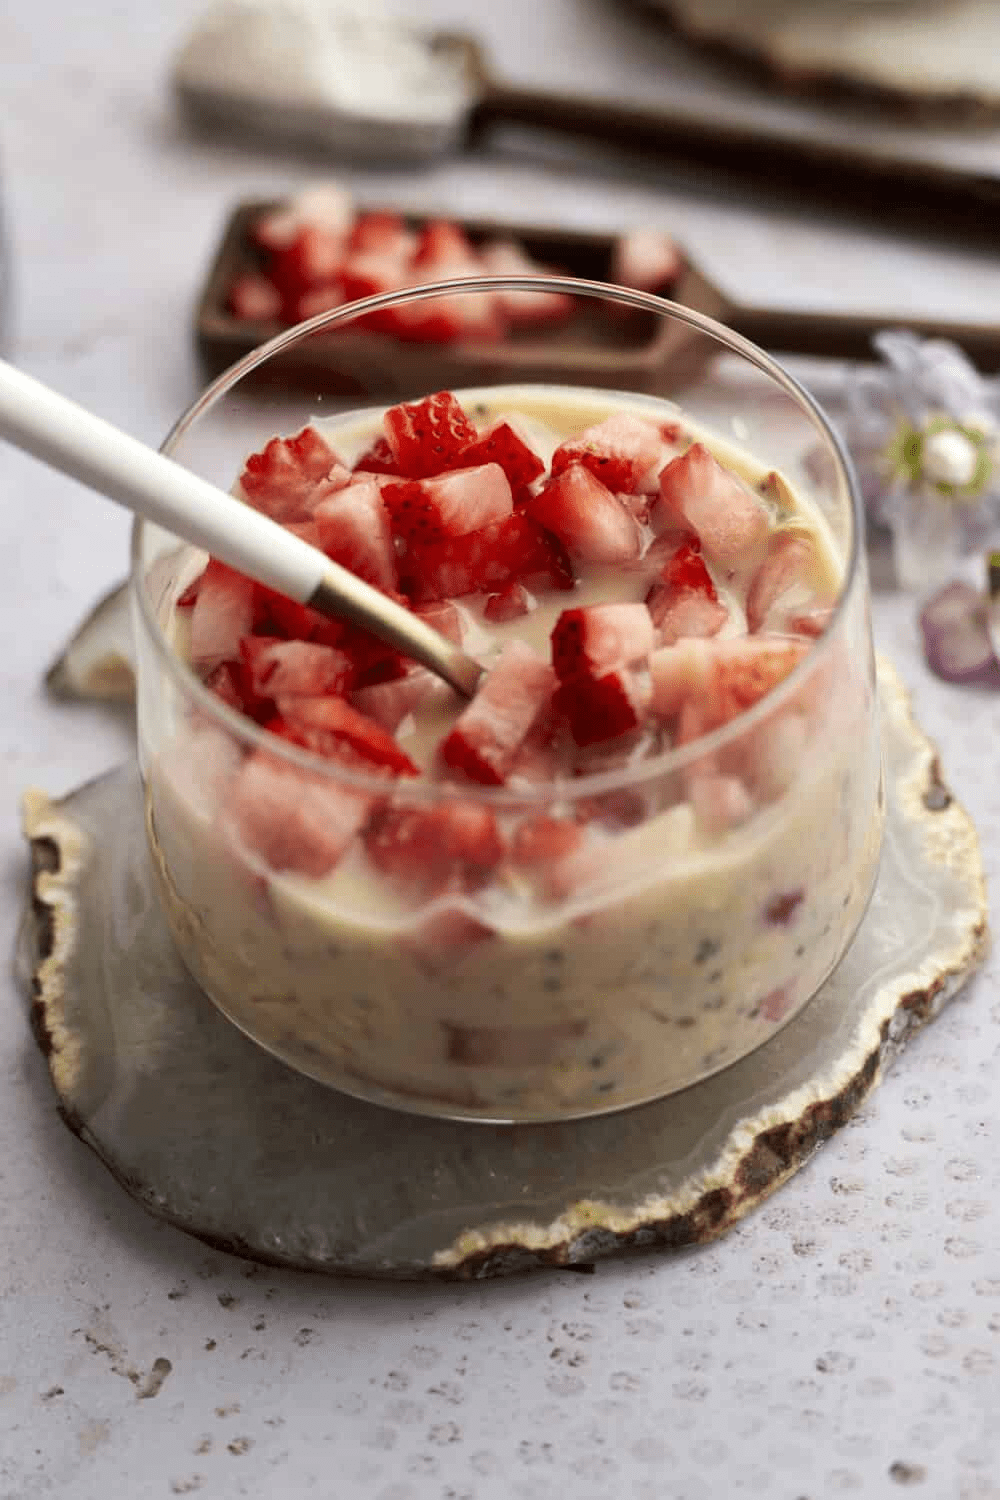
486 561
326 205
190 594
286 476
275 614
316 300
486 736
719 802
502 444
374 659
428 436
510 604
378 459
253 298
445 938
788 582
312 258
647 260
542 839
729 520
382 233
354 530
723 678
602 708
452 845
598 637
224 683
329 726
295 668
507 258
388 703
683 601
222 615
587 518
292 820
452 504
444 617
619 451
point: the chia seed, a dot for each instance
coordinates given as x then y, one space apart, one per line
707 948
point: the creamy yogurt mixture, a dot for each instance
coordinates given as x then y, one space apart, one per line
682 927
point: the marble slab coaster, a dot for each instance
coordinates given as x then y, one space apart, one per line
215 1136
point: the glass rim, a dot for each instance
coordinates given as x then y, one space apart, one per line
569 789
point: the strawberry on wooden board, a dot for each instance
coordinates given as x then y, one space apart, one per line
597 637
318 299
647 260
288 473
491 728
452 845
254 298
588 519
729 520
444 320
508 258
426 437
296 668
291 820
325 205
382 232
353 527
619 451
331 727
222 615
312 258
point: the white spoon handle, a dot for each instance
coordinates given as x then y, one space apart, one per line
91 450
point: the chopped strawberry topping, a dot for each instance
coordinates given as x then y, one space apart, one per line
488 733
722 678
353 528
378 459
588 519
683 601
787 584
509 604
442 616
428 436
286 476
598 637
296 668
454 845
292 820
388 703
516 549
601 708
222 615
502 444
331 727
619 451
225 684
444 938
728 519
451 504
274 614
542 839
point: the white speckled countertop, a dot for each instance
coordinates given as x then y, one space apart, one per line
844 1340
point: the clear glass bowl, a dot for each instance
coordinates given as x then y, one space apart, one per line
685 944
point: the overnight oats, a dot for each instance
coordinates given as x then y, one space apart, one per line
626 862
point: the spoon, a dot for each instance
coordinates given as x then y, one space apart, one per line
88 449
